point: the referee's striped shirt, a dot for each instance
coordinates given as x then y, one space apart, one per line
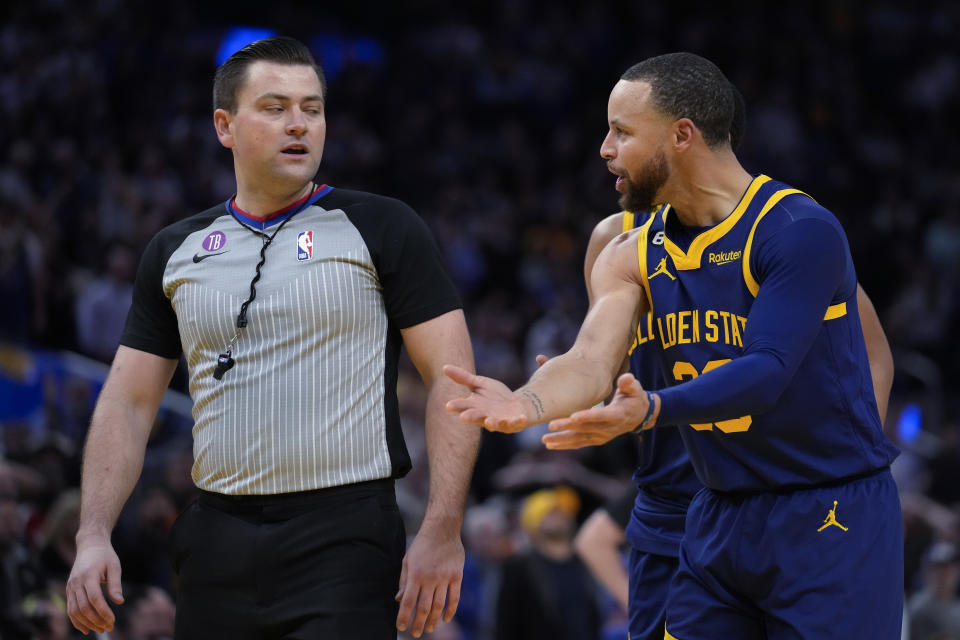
311 401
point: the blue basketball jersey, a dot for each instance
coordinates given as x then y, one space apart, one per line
666 480
824 426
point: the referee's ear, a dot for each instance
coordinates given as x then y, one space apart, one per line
222 119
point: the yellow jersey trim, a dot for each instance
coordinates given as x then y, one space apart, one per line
642 256
748 278
628 218
691 259
834 311
667 635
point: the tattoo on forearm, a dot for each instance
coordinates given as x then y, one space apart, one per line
535 401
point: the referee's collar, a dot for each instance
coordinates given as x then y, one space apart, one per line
277 216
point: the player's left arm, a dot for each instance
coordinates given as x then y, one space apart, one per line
433 566
878 352
802 268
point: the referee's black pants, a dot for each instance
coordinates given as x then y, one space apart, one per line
316 565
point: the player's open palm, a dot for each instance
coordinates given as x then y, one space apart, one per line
599 425
430 580
491 404
86 606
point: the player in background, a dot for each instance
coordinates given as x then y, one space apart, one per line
599 543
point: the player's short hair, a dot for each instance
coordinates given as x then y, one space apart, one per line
230 76
685 85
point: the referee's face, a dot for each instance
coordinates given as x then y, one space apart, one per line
279 127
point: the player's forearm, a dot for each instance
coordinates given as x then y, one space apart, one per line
564 385
451 452
744 386
112 462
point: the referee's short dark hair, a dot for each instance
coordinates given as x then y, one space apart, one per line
684 85
231 74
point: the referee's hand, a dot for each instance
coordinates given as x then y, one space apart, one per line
88 609
430 580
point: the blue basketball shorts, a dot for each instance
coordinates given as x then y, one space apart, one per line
650 576
813 564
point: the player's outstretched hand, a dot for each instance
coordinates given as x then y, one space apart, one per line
599 425
86 606
490 404
430 580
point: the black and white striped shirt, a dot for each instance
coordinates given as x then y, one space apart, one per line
311 402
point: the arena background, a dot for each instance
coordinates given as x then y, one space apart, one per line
486 118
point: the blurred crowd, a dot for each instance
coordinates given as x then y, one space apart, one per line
486 118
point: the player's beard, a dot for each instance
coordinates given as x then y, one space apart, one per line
641 194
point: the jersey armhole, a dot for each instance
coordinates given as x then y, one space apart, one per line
834 311
752 285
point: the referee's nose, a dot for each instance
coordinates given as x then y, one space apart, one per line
296 122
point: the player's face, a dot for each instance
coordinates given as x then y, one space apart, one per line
634 146
279 127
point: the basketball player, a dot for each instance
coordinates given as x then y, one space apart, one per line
665 479
754 306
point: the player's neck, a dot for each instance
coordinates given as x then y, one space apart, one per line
261 204
709 191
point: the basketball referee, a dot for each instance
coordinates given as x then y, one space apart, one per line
290 302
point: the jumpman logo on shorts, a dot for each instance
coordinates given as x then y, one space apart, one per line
662 268
831 519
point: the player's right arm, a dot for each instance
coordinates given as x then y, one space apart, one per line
112 462
582 376
605 231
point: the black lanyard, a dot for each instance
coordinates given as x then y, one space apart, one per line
225 360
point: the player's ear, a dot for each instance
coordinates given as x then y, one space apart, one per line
684 133
222 119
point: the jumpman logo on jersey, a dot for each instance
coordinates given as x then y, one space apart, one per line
662 268
831 519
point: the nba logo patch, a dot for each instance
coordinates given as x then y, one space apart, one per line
305 245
